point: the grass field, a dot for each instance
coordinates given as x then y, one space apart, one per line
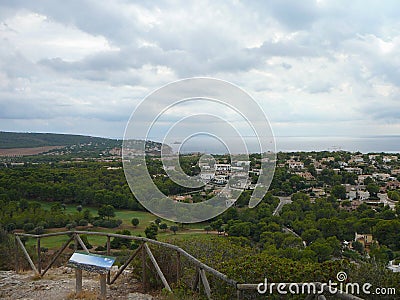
145 218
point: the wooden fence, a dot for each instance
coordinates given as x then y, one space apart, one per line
200 274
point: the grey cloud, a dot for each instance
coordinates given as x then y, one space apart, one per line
96 18
189 43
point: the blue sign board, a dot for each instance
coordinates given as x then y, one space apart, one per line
91 262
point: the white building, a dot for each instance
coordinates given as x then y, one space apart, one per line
296 165
206 176
222 168
220 179
354 170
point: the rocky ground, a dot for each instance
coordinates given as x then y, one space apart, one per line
59 283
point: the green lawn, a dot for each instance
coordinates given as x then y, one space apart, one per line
145 218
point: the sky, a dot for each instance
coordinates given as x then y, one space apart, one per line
316 68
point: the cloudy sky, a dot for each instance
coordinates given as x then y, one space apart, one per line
317 68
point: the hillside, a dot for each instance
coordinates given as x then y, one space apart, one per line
9 140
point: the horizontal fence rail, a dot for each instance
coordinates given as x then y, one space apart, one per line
201 268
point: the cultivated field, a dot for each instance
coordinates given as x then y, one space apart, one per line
27 151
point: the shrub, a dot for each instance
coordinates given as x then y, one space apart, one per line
107 223
83 222
100 248
10 227
38 230
28 227
135 222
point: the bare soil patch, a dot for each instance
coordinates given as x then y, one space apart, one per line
59 283
27 151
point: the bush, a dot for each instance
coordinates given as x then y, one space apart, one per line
100 248
28 227
83 222
135 222
38 230
107 223
118 243
10 227
43 224
151 231
69 226
174 228
84 240
97 223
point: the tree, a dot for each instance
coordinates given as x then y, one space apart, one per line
163 226
23 204
381 253
387 232
238 228
174 228
135 222
358 246
322 249
157 221
373 189
216 225
207 229
292 241
394 195
118 242
87 214
151 231
10 227
106 211
339 192
311 235
346 203
56 207
79 208
38 230
28 227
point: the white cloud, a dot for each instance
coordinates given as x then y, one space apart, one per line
316 67
37 37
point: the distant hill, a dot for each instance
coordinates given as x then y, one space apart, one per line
9 140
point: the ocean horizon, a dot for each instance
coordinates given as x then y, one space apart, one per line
369 144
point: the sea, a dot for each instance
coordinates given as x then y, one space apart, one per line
368 144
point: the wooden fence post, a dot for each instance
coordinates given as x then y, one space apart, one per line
103 286
239 294
206 285
75 242
178 266
57 255
78 238
39 264
108 253
157 267
144 279
27 255
196 280
78 280
16 255
126 264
